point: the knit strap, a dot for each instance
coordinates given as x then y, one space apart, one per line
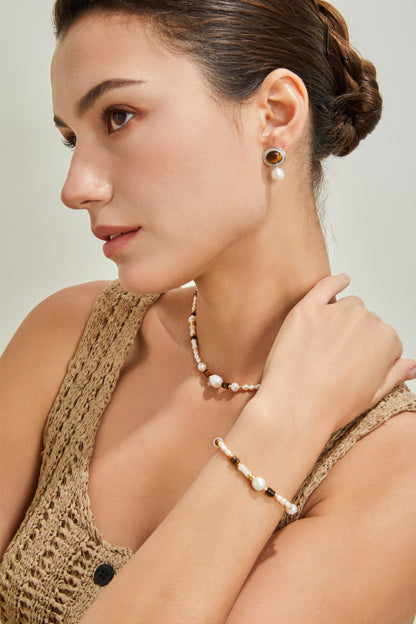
92 375
401 399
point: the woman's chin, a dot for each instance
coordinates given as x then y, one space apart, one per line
138 282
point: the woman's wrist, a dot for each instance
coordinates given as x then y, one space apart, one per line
287 413
267 433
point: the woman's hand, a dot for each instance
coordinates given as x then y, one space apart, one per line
332 361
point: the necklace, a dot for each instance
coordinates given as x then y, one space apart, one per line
214 380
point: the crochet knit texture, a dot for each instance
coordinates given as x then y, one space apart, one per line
47 572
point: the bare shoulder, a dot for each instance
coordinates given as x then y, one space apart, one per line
35 361
352 557
32 369
61 317
386 458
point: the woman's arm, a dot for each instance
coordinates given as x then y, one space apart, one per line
192 568
193 565
352 558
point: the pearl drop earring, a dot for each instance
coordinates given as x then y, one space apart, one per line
275 157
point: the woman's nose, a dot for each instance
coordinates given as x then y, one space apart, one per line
87 184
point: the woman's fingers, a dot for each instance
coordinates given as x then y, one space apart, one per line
400 372
327 288
334 361
352 300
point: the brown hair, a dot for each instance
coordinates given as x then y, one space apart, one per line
236 43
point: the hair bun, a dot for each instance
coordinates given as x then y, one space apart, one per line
357 105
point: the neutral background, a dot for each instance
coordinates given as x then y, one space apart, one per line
371 197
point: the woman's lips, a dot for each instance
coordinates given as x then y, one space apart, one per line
115 242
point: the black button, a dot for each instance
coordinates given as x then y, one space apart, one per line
103 574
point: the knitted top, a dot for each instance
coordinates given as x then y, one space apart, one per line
58 562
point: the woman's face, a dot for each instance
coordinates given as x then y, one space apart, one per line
154 153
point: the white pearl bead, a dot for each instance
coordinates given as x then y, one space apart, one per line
292 509
278 173
258 484
228 453
244 470
216 381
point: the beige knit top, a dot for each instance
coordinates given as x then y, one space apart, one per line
58 562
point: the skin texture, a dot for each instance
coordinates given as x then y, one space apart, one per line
188 170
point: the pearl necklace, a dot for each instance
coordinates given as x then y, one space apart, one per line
214 380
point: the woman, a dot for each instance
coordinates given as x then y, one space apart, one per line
198 131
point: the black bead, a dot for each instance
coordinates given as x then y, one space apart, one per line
270 492
225 385
234 460
103 574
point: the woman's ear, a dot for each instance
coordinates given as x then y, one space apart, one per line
284 105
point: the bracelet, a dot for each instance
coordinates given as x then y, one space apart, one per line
257 483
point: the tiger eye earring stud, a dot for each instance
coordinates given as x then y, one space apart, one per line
275 157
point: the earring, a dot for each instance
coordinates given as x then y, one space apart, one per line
275 157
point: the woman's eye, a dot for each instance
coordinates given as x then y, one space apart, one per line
69 141
114 119
117 119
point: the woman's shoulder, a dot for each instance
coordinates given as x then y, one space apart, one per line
53 328
35 361
379 468
32 369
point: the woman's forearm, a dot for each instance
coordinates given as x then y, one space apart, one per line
194 564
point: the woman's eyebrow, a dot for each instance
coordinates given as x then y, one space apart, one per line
89 99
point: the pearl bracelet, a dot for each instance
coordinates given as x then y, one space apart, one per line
257 483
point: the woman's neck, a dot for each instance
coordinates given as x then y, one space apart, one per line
244 300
